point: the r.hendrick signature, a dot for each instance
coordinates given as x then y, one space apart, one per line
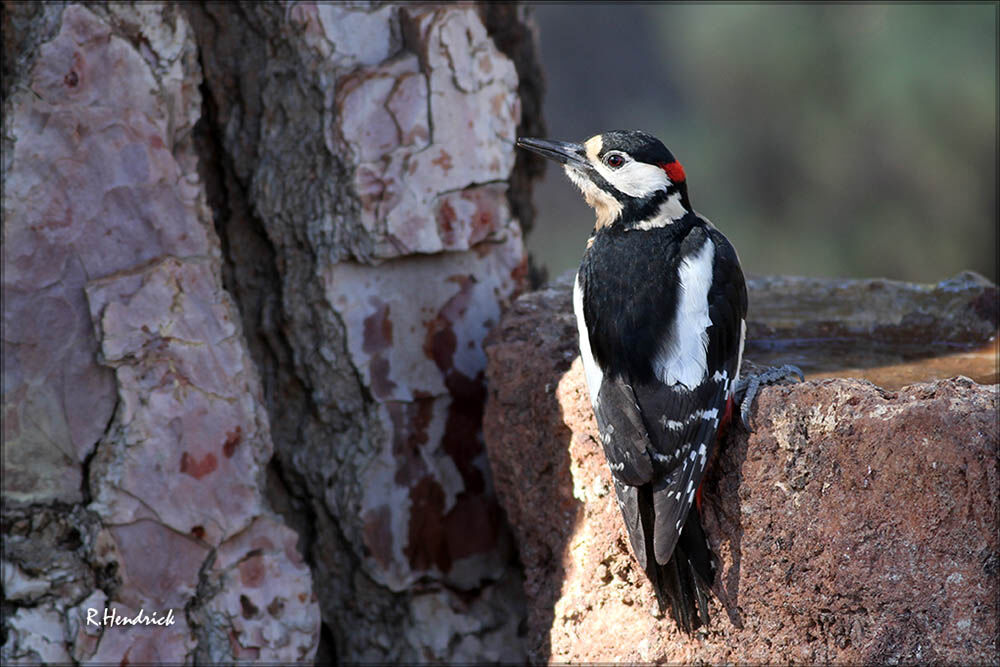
113 618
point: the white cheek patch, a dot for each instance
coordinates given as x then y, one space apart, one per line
682 357
591 371
635 179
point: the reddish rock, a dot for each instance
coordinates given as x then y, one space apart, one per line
854 525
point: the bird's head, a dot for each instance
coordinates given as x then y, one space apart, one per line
627 176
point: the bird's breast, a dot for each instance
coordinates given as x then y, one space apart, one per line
630 291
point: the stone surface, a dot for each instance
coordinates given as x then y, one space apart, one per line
854 525
135 435
961 309
885 331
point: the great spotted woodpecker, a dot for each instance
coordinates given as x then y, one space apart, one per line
660 304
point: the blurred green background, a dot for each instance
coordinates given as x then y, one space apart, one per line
846 140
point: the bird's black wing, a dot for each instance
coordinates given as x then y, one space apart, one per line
658 435
682 422
623 432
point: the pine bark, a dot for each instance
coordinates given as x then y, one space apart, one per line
250 254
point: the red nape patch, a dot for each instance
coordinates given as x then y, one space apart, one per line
675 172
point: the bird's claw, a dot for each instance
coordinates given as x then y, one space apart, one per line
747 387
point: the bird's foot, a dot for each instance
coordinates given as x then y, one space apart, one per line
747 386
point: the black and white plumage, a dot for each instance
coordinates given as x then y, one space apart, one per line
660 302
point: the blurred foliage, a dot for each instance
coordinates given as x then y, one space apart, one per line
852 140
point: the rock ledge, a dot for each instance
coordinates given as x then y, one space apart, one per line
855 524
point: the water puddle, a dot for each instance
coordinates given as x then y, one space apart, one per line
888 332
890 366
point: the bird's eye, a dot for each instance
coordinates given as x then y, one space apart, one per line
614 160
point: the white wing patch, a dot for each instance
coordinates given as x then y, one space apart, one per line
711 415
592 372
671 424
739 359
682 357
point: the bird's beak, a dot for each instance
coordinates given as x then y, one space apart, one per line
563 152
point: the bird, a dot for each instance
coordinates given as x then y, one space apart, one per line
660 302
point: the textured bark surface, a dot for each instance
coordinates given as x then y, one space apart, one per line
249 258
361 162
854 525
135 432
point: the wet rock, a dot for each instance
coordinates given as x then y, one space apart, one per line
855 524
889 332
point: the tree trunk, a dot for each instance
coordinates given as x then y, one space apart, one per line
250 254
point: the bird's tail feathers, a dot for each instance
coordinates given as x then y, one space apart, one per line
682 584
